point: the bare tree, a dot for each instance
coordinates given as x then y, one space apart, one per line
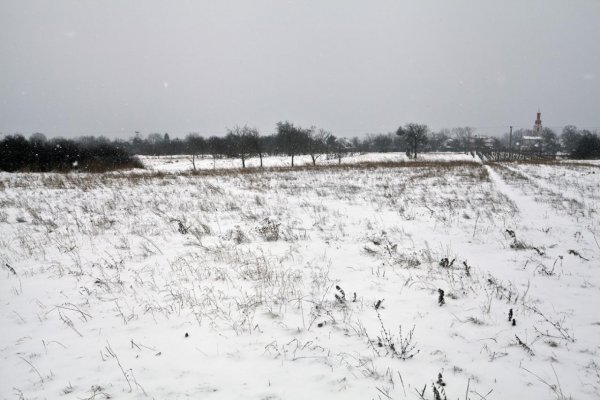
317 143
242 141
216 147
464 137
550 142
570 137
195 145
438 140
256 143
415 136
291 139
342 146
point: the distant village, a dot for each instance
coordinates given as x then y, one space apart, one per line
521 140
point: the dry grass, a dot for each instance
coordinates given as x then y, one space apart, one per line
70 180
361 165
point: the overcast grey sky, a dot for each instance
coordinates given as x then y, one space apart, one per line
114 67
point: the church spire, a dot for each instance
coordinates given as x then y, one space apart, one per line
537 127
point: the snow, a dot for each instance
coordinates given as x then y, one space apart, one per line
590 162
113 271
182 163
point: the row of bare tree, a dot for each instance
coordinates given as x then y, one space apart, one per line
243 142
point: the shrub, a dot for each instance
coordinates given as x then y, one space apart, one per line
40 155
588 146
269 230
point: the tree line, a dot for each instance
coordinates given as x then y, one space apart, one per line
98 153
243 142
39 154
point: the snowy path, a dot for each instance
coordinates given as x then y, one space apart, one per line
566 287
540 218
554 189
547 228
572 277
532 211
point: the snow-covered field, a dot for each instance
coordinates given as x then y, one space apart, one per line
182 163
345 283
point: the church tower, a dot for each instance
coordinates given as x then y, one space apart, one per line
537 127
